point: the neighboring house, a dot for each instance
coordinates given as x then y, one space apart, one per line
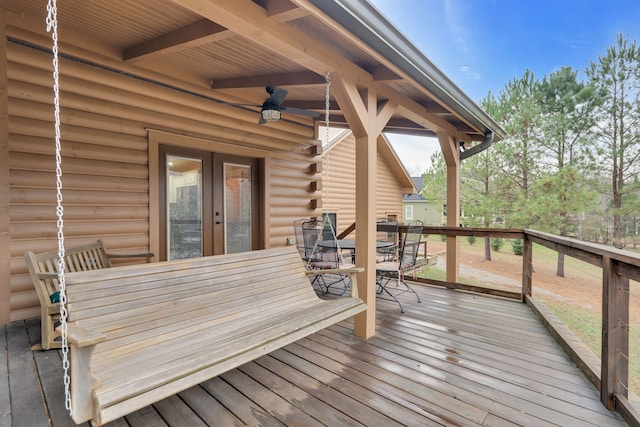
162 149
339 186
416 207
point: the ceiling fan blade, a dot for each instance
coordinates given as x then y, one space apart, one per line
277 95
300 111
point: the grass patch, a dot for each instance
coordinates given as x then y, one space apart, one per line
587 326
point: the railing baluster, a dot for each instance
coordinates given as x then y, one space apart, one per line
615 333
527 267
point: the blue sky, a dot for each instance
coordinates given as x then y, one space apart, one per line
482 44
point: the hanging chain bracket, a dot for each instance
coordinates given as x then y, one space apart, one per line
52 27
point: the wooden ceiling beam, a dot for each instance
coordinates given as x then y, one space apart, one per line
205 31
415 112
312 104
381 73
282 10
353 106
196 34
304 78
250 20
384 113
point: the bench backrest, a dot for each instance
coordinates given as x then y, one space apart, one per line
43 267
214 290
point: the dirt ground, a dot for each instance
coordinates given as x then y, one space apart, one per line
582 284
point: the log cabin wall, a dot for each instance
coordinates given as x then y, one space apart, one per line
339 189
106 121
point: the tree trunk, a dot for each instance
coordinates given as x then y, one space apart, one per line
617 221
560 268
563 232
487 249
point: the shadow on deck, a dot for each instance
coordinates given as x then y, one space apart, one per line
454 359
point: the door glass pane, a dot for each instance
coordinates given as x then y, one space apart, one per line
184 207
237 207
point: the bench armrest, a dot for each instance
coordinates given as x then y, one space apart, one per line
81 337
350 271
47 276
83 343
147 255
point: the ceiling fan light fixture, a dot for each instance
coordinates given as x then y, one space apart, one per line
270 114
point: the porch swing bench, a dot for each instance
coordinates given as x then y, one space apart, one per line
138 334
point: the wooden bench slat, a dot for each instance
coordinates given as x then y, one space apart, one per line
179 383
192 264
163 296
163 310
191 342
109 293
168 326
146 335
43 269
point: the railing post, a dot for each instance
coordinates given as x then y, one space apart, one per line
615 334
527 266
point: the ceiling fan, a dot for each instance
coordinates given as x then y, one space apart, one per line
272 108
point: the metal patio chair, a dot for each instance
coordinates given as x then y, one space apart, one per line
320 252
388 272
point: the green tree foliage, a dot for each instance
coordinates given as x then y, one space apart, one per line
519 113
517 247
566 137
616 79
497 243
567 117
560 197
435 180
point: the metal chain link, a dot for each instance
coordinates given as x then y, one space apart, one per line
327 79
52 27
327 106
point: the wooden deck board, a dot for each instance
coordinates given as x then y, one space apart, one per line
208 409
145 417
454 359
5 401
28 408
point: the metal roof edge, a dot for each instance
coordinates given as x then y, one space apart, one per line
369 25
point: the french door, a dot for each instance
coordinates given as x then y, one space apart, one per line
209 203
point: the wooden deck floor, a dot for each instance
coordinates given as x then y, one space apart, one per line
454 359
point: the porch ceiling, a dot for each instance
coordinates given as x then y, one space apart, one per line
230 50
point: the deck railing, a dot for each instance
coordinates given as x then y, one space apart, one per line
611 377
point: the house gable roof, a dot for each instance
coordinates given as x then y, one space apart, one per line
417 197
385 150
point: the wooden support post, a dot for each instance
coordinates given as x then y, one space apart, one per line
367 118
527 267
366 231
452 158
615 334
5 267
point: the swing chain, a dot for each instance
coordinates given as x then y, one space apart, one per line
327 79
52 27
327 111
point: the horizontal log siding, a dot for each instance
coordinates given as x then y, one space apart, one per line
339 191
105 120
5 260
388 191
339 182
